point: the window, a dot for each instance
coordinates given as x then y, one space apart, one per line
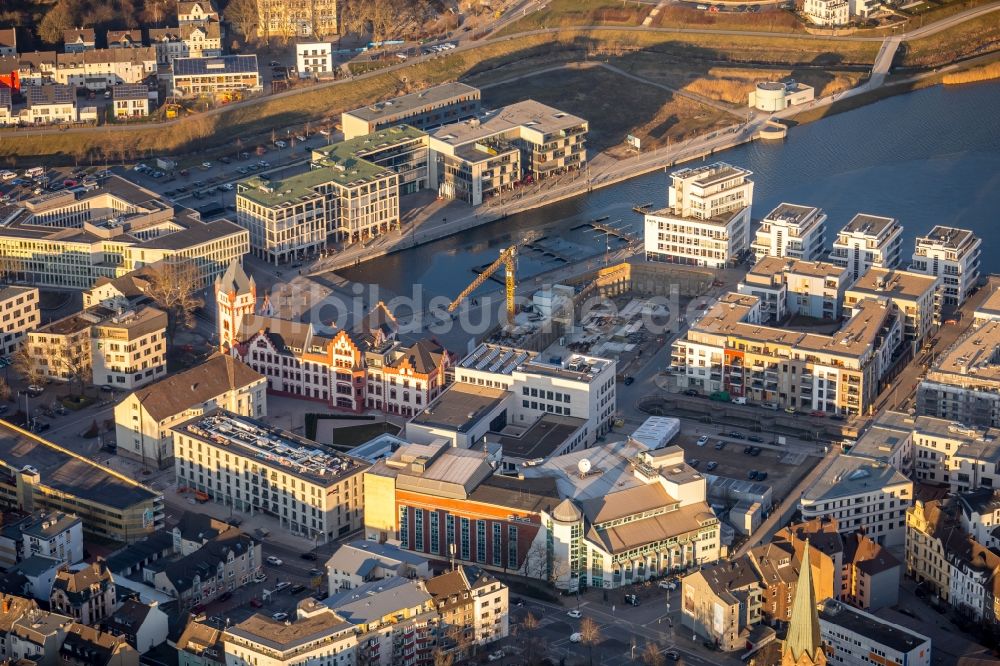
404 528
465 539
480 541
497 547
450 532
418 529
511 546
435 532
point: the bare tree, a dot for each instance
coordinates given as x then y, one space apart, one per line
242 15
173 287
74 363
60 18
529 625
25 365
9 266
4 390
651 656
590 635
443 658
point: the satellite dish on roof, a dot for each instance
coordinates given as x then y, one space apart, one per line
583 466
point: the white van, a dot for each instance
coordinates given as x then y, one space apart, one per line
773 406
739 400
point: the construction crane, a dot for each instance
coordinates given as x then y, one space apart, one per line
508 259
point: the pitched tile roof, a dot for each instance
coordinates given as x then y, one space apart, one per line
178 393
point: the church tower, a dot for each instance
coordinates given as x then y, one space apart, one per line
803 644
235 297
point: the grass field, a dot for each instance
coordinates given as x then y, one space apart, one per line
978 36
563 13
685 16
253 124
654 115
733 84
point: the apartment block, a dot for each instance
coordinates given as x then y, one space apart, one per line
963 384
478 158
39 475
18 315
828 13
72 238
953 255
425 110
314 59
321 637
351 194
957 456
143 420
980 515
989 310
474 603
793 287
363 561
123 349
646 511
853 636
868 241
57 535
496 386
861 495
226 77
729 349
916 297
707 218
932 530
240 462
297 18
888 440
790 230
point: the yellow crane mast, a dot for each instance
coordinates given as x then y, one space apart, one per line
507 258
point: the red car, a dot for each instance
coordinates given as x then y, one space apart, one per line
256 603
197 609
817 413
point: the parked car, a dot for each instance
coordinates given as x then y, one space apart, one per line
225 596
631 600
692 393
295 589
694 462
309 556
628 380
575 637
755 438
752 475
719 445
274 561
703 440
282 585
35 390
711 465
256 603
667 585
735 434
496 656
279 616
755 450
574 614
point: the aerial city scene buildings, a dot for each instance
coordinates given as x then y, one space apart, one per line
386 332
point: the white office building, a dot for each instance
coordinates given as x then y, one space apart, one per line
853 636
791 231
862 495
954 256
707 218
867 241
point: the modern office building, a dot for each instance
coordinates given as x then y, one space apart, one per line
861 495
707 218
790 230
953 255
228 77
603 517
143 419
963 383
351 195
793 287
426 110
478 158
915 296
39 475
72 238
123 349
868 241
313 491
853 636
18 315
729 349
497 386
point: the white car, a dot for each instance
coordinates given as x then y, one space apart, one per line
228 187
282 585
574 613
667 585
279 616
274 561
206 165
575 637
259 577
496 656
703 440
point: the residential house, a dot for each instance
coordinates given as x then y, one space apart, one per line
79 40
363 561
473 605
88 595
143 626
86 646
201 644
